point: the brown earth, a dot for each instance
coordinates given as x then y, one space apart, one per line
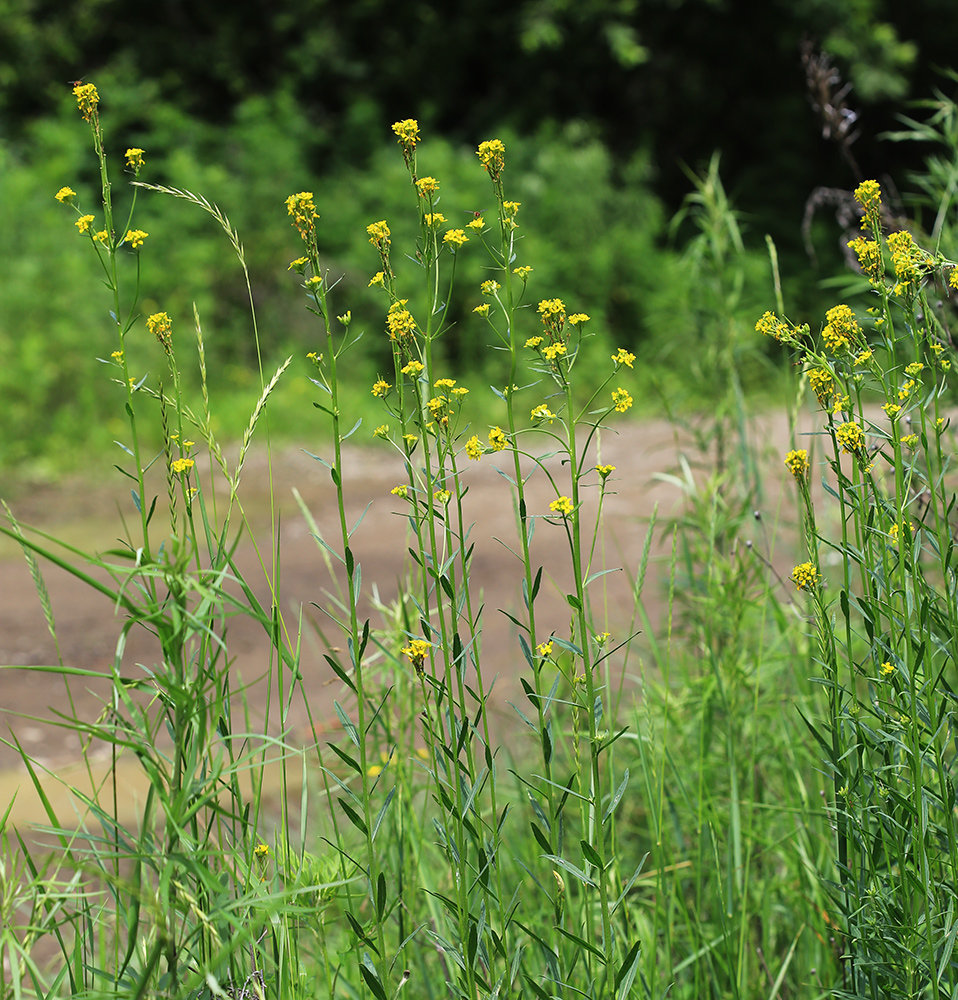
31 701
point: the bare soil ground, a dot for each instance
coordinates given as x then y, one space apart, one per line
32 701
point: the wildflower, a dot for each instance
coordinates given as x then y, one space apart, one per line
511 207
915 367
577 319
188 444
541 413
399 321
602 638
497 439
439 408
378 233
87 99
489 287
346 318
381 387
83 223
869 257
492 155
427 186
534 342
456 237
298 265
623 357
868 195
460 391
909 440
102 236
377 279
797 463
562 505
864 357
605 471
478 223
849 436
482 309
474 448
313 282
179 465
908 259
554 351
262 851
887 669
552 312
400 491
621 400
442 496
117 356
434 218
135 237
407 132
134 158
905 391
382 431
953 277
841 330
821 382
544 648
840 403
444 383
65 195
410 439
413 368
523 272
161 326
303 210
805 576
416 651
771 326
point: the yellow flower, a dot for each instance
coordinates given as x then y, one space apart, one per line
410 439
434 218
262 851
399 321
805 576
821 382
455 236
909 440
489 287
442 496
868 195
905 391
797 462
552 312
413 368
84 223
134 158
298 265
416 651
474 448
346 318
482 309
562 505
400 491
161 326
407 132
378 233
511 207
523 272
477 223
605 471
102 236
303 210
953 277
544 648
623 357
117 355
577 319
915 367
313 282
87 99
602 638
542 413
497 439
65 196
533 342
864 357
887 669
621 399
869 257
842 329
554 351
849 436
382 431
377 279
460 391
492 155
182 464
427 186
381 387
135 237
444 383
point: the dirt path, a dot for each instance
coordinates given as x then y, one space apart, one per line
88 629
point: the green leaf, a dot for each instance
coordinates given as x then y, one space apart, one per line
591 854
626 974
617 797
348 726
354 817
380 896
571 869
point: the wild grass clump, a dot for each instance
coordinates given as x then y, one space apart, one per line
749 795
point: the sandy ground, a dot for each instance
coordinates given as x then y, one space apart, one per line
87 627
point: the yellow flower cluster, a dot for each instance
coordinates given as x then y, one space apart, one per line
554 351
797 463
456 237
523 272
134 158
492 155
474 448
83 223
562 505
65 195
399 321
301 207
378 278
489 287
381 387
552 313
427 186
868 195
842 329
416 651
805 576
771 326
621 399
542 413
378 233
433 218
161 326
544 648
87 99
439 408
623 357
849 436
135 237
497 439
400 491
908 259
887 669
482 309
821 382
577 319
478 223
511 207
605 471
407 132
869 257
413 368
179 465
